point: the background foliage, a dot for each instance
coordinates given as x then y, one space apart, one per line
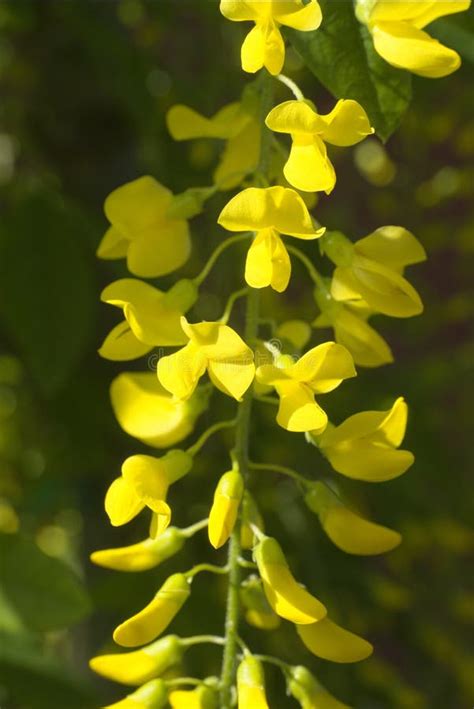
85 87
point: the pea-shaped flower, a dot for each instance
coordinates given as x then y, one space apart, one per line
351 329
269 212
305 688
347 530
371 268
150 622
264 45
237 124
225 507
329 641
153 695
152 318
144 555
147 411
216 348
202 697
308 167
318 371
365 445
153 242
285 595
144 483
135 668
397 31
251 684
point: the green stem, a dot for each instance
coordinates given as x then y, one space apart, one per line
196 527
206 567
230 304
294 88
201 639
242 431
201 277
289 472
219 426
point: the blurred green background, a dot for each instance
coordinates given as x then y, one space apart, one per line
84 87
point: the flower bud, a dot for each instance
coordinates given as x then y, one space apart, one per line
135 668
287 598
309 693
328 640
250 516
150 622
202 697
348 531
258 611
251 684
153 695
223 514
142 556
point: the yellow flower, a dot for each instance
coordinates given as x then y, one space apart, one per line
351 329
250 516
213 347
153 242
258 611
141 556
202 697
347 530
328 640
371 268
147 411
318 371
251 684
295 332
264 45
304 687
144 483
308 167
397 30
153 695
150 622
364 446
285 595
237 124
269 212
135 668
152 318
225 507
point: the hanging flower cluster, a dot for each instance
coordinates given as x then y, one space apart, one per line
150 228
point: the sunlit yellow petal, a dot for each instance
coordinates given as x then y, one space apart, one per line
347 124
362 461
268 262
122 345
153 695
143 555
309 693
201 697
159 249
225 506
263 46
137 206
323 367
233 376
305 19
385 290
180 372
238 10
393 246
393 426
185 124
329 641
309 168
150 622
251 684
295 117
367 347
298 411
113 245
122 503
240 157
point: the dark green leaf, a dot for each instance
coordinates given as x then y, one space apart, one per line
46 594
341 54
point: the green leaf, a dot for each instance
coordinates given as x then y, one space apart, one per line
341 54
47 294
44 592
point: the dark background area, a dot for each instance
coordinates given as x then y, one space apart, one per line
84 88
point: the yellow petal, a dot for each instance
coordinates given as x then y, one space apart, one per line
263 47
122 345
145 410
233 377
251 684
323 367
135 668
298 411
150 622
298 332
392 428
393 246
141 556
268 262
440 9
240 157
347 124
407 47
113 245
180 372
137 206
122 503
185 124
309 693
363 461
201 697
366 346
329 641
239 10
417 13
255 209
150 477
225 507
153 695
309 168
159 249
295 117
347 530
287 598
385 290
304 18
